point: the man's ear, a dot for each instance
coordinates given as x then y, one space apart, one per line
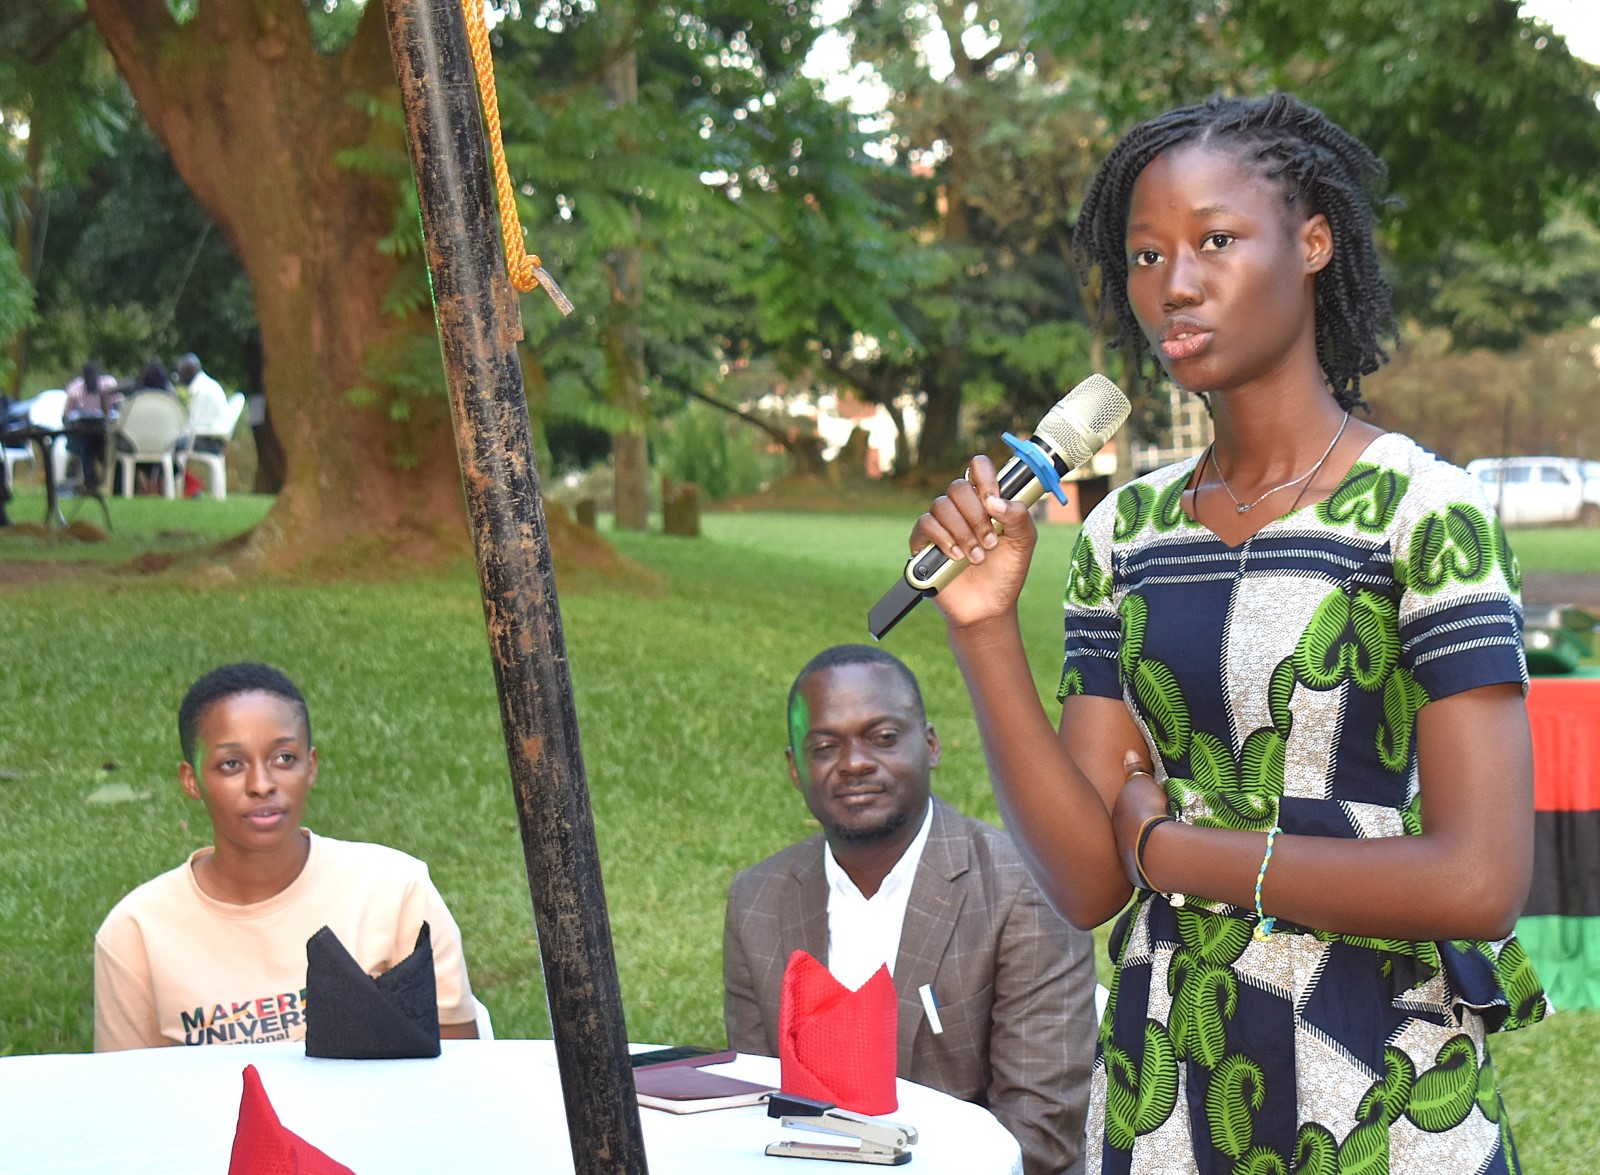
311 758
1316 238
932 736
188 781
794 770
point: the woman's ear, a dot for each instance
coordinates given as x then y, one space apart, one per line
188 781
1316 238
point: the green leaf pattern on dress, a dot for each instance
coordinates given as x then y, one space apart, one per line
1445 1094
1366 499
1212 939
1365 1150
1280 692
1316 1151
1204 995
1506 558
1234 1094
1158 1079
1386 1101
1161 702
1261 1160
1134 614
1240 793
1455 544
1349 639
1088 584
1135 503
1122 1098
1403 699
1488 1090
1168 513
1525 994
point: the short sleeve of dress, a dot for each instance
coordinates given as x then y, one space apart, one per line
1460 586
1093 627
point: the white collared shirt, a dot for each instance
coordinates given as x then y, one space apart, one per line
864 933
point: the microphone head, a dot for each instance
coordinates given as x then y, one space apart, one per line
1084 419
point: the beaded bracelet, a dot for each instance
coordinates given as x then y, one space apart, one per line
1264 923
1145 830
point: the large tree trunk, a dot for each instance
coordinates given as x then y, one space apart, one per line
630 451
939 448
254 118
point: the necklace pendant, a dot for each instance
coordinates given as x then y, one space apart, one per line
1244 509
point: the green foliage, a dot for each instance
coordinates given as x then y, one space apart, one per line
984 166
132 268
122 335
16 306
1494 296
1468 404
719 453
1482 202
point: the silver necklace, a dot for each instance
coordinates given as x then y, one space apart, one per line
1245 508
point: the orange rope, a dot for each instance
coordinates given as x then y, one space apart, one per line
525 268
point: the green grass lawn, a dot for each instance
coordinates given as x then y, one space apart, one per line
679 689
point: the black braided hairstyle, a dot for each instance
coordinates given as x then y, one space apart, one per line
1320 167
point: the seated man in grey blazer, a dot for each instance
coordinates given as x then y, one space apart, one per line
901 878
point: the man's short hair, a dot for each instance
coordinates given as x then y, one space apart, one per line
225 681
838 655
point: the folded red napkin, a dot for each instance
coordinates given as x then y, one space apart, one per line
835 1044
262 1146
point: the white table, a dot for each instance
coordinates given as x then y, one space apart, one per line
481 1107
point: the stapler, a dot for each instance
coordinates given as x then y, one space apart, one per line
877 1141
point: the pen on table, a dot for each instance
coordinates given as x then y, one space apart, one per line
931 1006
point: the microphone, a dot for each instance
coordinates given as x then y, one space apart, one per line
1070 433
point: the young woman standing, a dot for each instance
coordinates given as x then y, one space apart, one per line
1293 722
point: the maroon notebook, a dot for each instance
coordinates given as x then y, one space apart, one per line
682 1087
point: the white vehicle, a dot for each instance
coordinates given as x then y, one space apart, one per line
1540 491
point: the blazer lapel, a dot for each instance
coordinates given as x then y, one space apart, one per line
936 900
805 911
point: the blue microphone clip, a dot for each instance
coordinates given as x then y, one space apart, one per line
1037 460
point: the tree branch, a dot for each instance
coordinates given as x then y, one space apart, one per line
771 430
46 47
135 31
615 52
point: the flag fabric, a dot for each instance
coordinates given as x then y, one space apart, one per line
1560 925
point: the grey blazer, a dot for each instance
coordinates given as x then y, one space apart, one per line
1014 982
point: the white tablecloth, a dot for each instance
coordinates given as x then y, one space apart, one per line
483 1106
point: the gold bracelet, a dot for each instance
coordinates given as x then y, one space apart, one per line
1145 830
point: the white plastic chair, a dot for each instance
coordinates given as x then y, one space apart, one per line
44 409
13 455
147 431
47 411
222 428
485 1025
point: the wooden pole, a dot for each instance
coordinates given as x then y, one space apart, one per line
479 325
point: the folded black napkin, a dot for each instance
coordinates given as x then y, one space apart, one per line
353 1016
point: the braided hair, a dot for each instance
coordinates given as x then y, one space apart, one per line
1319 167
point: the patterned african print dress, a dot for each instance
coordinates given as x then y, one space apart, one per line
1279 682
